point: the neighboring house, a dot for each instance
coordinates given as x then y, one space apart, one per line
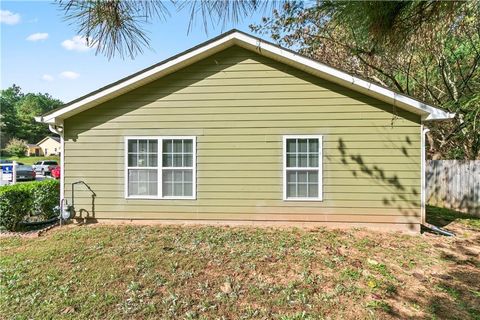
50 146
33 150
239 130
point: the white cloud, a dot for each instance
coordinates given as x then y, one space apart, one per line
77 43
47 77
37 36
69 75
9 17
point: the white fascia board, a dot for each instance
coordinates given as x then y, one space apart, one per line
316 68
342 78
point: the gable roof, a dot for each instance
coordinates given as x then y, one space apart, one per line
57 139
261 47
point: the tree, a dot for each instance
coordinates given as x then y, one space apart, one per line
115 27
19 111
17 147
426 49
8 98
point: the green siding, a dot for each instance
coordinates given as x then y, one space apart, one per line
239 105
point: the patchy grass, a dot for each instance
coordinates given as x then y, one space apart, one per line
202 272
32 160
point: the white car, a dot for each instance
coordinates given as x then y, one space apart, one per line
44 167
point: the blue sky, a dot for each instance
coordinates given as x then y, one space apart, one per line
39 51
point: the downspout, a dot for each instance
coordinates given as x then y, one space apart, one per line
58 129
423 179
423 182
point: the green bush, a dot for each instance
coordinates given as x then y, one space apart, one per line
15 204
20 201
46 195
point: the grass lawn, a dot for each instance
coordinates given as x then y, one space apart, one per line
32 160
202 272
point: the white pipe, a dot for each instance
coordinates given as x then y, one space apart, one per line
14 172
423 180
59 130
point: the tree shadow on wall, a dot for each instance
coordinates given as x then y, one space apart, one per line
402 197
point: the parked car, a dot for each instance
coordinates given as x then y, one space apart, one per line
55 172
43 167
25 173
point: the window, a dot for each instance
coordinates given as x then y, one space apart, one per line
160 167
302 168
46 151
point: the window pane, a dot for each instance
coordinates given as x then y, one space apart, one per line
291 160
167 160
188 189
142 160
313 190
188 146
313 160
153 146
178 189
291 145
313 177
177 183
132 160
291 176
177 146
168 175
167 146
152 188
178 175
152 160
167 189
302 145
187 160
188 175
302 190
302 176
177 160
142 182
132 145
313 145
302 160
142 145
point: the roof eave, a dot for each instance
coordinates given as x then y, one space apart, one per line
260 46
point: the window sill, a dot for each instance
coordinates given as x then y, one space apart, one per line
158 198
303 199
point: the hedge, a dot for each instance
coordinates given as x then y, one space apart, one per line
23 200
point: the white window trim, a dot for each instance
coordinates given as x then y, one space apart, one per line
319 168
160 167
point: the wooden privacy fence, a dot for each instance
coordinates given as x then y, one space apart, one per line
454 184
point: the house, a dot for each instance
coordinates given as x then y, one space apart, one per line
240 131
50 146
33 150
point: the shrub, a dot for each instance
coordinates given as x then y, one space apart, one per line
15 204
46 195
16 147
20 201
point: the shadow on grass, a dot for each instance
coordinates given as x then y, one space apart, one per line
442 217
